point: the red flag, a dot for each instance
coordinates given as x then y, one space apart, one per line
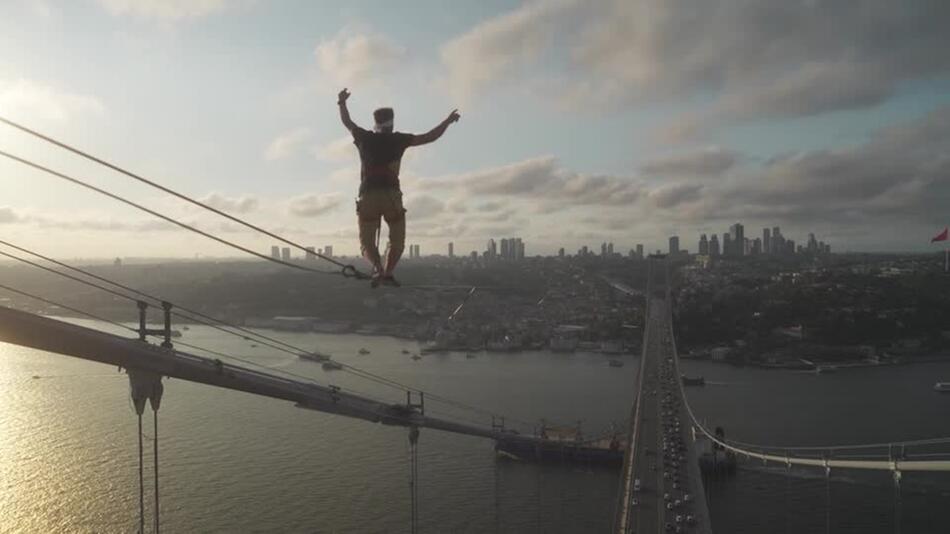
942 236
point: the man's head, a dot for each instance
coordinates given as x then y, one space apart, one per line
384 119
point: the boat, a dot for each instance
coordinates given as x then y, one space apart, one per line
314 357
416 357
616 363
175 333
404 351
942 387
332 366
693 380
185 327
363 351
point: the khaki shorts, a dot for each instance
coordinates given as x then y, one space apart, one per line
385 203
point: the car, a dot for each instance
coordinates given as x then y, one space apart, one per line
669 506
634 502
679 518
636 485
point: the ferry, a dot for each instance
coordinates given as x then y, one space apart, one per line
416 357
693 381
314 357
942 387
331 366
363 351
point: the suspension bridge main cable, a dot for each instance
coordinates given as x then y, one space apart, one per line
223 326
182 196
346 270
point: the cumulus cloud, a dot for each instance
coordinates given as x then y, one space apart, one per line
287 144
353 58
498 46
242 204
8 215
314 205
35 99
759 59
338 150
165 9
704 162
424 206
544 179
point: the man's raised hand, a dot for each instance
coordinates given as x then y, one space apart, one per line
341 98
454 116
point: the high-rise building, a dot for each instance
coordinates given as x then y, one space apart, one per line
674 244
746 247
766 240
756 246
610 249
275 252
505 248
285 253
451 249
737 232
328 251
417 251
520 249
603 250
714 250
640 250
812 245
777 246
311 253
703 245
492 251
560 252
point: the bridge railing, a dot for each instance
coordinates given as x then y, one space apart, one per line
894 460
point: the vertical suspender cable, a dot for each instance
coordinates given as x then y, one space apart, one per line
141 483
155 453
413 480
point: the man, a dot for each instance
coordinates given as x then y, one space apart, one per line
380 197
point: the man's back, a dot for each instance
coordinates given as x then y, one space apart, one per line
380 156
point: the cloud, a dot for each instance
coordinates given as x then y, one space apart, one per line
500 45
338 150
242 204
424 206
35 99
755 60
353 58
164 9
669 196
9 216
287 144
314 205
543 179
704 162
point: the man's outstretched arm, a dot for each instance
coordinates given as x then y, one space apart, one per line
345 113
436 132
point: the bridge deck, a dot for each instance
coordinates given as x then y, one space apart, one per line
43 333
661 484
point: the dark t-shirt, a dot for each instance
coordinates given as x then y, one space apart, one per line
380 155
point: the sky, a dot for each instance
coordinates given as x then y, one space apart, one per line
582 121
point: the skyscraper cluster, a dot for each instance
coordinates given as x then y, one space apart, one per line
511 249
284 254
735 244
